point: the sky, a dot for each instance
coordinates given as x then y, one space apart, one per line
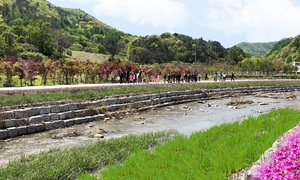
227 21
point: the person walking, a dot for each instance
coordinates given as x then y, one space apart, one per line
232 76
206 77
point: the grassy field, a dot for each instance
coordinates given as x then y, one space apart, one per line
14 98
83 56
212 154
94 57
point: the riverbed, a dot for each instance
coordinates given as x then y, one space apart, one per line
184 118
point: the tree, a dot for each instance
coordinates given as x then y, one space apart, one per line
44 68
113 42
278 65
62 41
30 68
8 43
140 55
38 33
19 71
8 70
67 68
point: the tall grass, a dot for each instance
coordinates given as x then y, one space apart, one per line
65 94
70 163
213 154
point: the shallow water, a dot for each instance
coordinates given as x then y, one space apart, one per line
185 118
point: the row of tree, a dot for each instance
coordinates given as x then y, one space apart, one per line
53 72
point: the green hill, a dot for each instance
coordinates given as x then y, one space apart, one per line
38 25
256 49
37 28
286 49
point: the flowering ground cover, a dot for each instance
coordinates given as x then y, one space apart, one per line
284 163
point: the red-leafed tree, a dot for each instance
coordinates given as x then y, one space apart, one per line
30 68
8 69
18 70
108 68
67 69
43 69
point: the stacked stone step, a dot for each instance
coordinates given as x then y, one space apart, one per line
37 119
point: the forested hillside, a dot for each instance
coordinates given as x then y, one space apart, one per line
256 49
38 26
31 27
287 50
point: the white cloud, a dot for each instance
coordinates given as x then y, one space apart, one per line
258 20
157 13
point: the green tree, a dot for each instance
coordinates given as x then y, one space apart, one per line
8 43
62 42
38 33
113 42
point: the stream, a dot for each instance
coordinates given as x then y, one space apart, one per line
185 118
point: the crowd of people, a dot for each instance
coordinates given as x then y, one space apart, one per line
168 78
222 76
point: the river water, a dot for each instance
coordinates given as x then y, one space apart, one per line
185 118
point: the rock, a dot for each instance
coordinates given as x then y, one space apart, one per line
40 127
106 119
263 103
201 102
48 125
22 130
232 107
142 117
101 131
44 110
3 133
12 132
67 134
98 136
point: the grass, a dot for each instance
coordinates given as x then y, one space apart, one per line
70 163
83 56
37 96
213 154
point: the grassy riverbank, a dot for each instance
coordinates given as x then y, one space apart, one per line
70 163
215 153
65 94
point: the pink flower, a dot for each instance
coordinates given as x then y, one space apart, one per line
284 163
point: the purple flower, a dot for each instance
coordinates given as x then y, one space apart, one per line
284 163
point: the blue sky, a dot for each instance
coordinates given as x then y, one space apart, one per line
227 21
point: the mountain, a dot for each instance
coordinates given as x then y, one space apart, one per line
32 21
287 49
36 28
256 49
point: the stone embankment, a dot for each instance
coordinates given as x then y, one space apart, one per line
33 118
